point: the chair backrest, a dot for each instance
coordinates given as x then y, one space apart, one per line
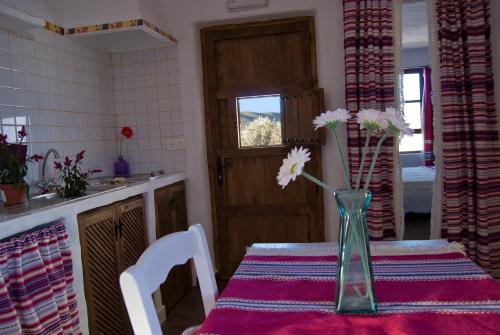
139 281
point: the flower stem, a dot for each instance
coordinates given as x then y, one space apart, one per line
374 160
341 155
319 182
363 159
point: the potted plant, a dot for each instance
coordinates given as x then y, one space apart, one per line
73 177
122 168
14 167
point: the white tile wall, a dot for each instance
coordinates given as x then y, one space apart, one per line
62 92
72 97
147 98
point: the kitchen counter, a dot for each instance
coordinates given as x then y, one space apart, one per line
38 212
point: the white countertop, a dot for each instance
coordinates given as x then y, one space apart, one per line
16 222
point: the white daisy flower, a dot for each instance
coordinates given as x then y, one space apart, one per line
371 119
331 119
293 165
397 123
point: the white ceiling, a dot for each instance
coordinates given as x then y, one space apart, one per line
415 26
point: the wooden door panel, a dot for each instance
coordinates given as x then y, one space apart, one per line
263 188
98 237
299 109
243 231
274 57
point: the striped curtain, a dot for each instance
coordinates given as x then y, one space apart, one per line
470 143
370 75
427 112
36 284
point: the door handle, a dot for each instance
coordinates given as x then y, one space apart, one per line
219 172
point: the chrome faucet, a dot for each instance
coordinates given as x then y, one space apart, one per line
56 155
47 184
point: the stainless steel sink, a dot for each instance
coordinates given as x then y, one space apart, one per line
47 196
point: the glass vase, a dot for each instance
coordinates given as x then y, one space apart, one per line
355 289
122 168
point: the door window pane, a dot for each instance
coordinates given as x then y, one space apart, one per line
259 121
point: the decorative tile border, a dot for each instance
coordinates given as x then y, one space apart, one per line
54 28
107 26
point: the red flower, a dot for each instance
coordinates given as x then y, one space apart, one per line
3 138
22 133
127 132
67 161
57 165
95 171
79 156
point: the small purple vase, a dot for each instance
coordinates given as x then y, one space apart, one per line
122 169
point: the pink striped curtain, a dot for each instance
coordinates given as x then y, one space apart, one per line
36 284
471 150
428 118
369 62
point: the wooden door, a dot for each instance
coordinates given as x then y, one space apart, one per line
270 59
99 233
171 216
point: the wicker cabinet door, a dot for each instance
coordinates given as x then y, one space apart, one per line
178 196
100 254
171 216
132 231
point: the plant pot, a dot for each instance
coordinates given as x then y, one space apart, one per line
122 168
18 150
14 194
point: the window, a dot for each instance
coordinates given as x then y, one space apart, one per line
413 85
259 121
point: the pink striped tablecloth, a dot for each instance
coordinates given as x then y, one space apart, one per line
442 293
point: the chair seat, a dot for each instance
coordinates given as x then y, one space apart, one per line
191 330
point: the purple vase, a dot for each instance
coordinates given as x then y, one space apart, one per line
122 169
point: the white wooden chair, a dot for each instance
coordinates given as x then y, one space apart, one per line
139 281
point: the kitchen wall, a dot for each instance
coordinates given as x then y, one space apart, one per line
72 98
62 92
147 98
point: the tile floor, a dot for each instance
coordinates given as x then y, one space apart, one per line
187 313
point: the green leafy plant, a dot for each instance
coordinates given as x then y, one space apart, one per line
73 177
13 162
261 131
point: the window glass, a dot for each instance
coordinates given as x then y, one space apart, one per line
259 121
412 114
412 111
411 86
411 143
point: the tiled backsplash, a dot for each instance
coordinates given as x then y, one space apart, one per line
147 98
72 97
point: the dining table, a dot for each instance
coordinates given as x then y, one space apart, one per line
421 287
